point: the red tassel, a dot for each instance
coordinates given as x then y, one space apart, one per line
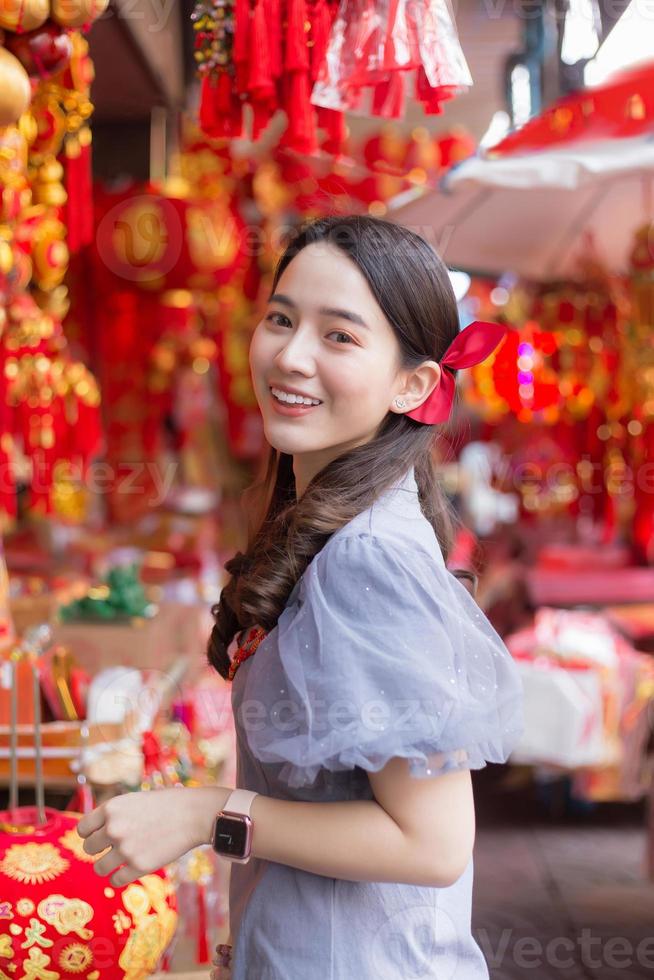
297 53
82 799
274 27
73 153
203 943
240 50
333 123
321 24
431 98
388 97
210 115
261 113
224 94
300 134
79 188
260 82
221 114
87 227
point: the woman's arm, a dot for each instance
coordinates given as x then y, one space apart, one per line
418 831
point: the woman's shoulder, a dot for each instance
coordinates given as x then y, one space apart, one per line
390 533
393 521
376 545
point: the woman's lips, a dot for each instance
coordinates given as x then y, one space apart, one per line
282 408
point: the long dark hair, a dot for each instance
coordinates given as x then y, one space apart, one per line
412 286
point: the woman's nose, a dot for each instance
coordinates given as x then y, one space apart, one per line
297 354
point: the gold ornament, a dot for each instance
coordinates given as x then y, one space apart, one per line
55 302
77 13
75 958
23 15
48 249
72 841
15 88
36 967
25 906
34 935
67 915
32 863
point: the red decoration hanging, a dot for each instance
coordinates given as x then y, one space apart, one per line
267 54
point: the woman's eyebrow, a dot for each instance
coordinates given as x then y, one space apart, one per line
324 310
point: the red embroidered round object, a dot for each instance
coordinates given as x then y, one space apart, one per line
58 919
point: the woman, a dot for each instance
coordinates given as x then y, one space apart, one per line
366 681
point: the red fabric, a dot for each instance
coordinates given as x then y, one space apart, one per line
471 346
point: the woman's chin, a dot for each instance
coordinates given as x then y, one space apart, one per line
289 443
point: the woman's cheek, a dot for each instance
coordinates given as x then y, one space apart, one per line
257 359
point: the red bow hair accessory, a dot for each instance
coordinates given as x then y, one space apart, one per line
471 346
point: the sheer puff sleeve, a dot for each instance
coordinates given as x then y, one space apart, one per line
382 653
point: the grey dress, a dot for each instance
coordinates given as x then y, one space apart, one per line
379 652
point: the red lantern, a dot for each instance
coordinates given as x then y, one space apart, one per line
520 376
58 918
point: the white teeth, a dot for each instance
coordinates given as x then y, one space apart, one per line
283 396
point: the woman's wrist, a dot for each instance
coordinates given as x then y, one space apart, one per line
207 801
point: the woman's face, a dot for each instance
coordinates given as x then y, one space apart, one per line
323 335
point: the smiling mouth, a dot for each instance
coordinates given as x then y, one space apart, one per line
279 401
288 411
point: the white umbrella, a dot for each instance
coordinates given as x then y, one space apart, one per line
532 214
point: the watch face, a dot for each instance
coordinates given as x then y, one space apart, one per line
230 836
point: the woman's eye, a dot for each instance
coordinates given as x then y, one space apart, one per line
271 317
280 320
339 333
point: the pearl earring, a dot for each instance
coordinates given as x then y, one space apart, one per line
400 403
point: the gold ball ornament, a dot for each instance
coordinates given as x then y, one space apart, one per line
23 15
15 191
55 302
77 13
6 253
15 89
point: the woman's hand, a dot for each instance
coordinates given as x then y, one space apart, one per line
142 832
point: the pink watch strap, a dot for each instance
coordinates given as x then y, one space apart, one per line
240 801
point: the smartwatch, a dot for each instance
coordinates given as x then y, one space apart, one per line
232 829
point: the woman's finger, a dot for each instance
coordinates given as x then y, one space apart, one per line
109 862
91 822
97 842
125 876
